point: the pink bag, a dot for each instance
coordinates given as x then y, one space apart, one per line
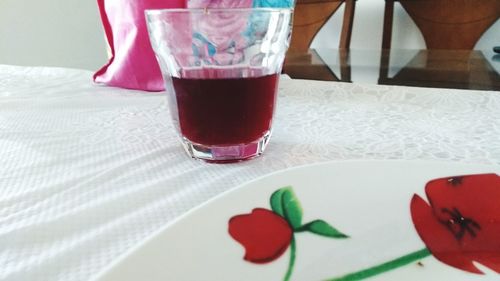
132 64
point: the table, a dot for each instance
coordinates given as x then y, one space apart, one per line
88 171
459 69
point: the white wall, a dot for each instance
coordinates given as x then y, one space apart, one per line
64 33
68 33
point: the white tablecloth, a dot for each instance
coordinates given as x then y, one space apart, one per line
86 171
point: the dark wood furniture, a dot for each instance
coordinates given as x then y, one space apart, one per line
445 25
440 68
457 69
309 18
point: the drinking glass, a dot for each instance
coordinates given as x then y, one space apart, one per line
221 69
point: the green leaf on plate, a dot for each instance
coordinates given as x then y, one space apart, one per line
291 208
285 203
322 228
277 202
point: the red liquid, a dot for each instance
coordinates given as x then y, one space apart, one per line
225 111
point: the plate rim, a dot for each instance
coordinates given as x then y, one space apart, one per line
220 196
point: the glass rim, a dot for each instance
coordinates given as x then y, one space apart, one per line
208 10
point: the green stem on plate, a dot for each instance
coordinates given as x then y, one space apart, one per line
381 268
301 228
291 263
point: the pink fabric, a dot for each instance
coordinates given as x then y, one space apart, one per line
132 64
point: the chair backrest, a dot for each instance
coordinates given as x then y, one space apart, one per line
311 15
445 24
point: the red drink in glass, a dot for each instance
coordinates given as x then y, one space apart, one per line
226 111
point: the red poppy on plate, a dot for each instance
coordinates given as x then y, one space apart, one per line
267 234
264 234
461 222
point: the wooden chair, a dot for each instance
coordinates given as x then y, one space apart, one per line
445 25
309 17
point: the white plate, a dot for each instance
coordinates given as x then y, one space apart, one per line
367 200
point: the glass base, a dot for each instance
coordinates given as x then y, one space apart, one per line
226 153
